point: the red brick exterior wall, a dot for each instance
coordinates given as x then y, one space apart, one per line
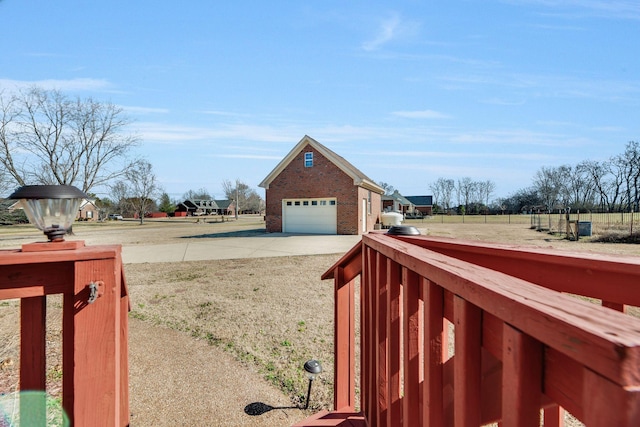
322 180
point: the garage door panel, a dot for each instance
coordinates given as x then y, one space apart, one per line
310 218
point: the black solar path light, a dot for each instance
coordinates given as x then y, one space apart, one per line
313 369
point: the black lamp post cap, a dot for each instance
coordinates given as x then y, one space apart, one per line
48 192
403 230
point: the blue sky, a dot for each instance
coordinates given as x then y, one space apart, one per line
408 91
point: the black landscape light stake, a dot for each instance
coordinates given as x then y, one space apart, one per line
51 208
313 369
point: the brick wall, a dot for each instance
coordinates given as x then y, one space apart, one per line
324 179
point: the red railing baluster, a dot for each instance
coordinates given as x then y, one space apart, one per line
521 379
467 363
412 349
435 342
395 333
382 339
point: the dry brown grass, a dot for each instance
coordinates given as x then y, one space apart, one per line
272 313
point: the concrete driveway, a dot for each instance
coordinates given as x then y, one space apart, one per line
266 245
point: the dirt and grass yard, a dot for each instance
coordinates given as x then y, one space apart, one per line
269 314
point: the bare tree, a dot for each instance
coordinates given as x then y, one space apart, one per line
200 194
465 190
442 191
245 197
629 162
255 203
8 144
140 188
48 138
548 182
119 194
485 190
388 188
580 186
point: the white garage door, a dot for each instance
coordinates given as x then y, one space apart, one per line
314 216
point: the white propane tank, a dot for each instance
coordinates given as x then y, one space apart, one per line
389 219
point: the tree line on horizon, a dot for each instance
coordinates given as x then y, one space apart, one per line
611 185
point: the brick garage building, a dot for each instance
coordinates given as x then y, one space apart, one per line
314 190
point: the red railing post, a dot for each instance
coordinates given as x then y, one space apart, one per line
368 343
344 348
94 328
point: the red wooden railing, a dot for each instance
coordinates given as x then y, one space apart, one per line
95 388
520 343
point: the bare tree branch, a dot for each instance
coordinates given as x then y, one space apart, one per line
47 138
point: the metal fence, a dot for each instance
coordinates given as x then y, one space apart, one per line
619 223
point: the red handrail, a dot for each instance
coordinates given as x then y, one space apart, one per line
520 344
95 387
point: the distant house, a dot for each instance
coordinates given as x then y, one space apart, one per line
424 204
205 207
88 211
9 214
409 205
226 207
197 207
396 202
314 190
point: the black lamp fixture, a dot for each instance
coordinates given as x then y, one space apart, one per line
51 208
313 368
403 230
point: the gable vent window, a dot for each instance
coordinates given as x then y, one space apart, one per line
308 160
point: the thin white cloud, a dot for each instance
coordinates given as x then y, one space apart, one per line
247 156
617 9
223 113
518 137
501 101
466 155
421 114
391 28
171 133
79 84
547 86
145 110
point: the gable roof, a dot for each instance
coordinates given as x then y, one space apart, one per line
396 196
85 202
6 204
223 204
359 178
199 204
421 200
